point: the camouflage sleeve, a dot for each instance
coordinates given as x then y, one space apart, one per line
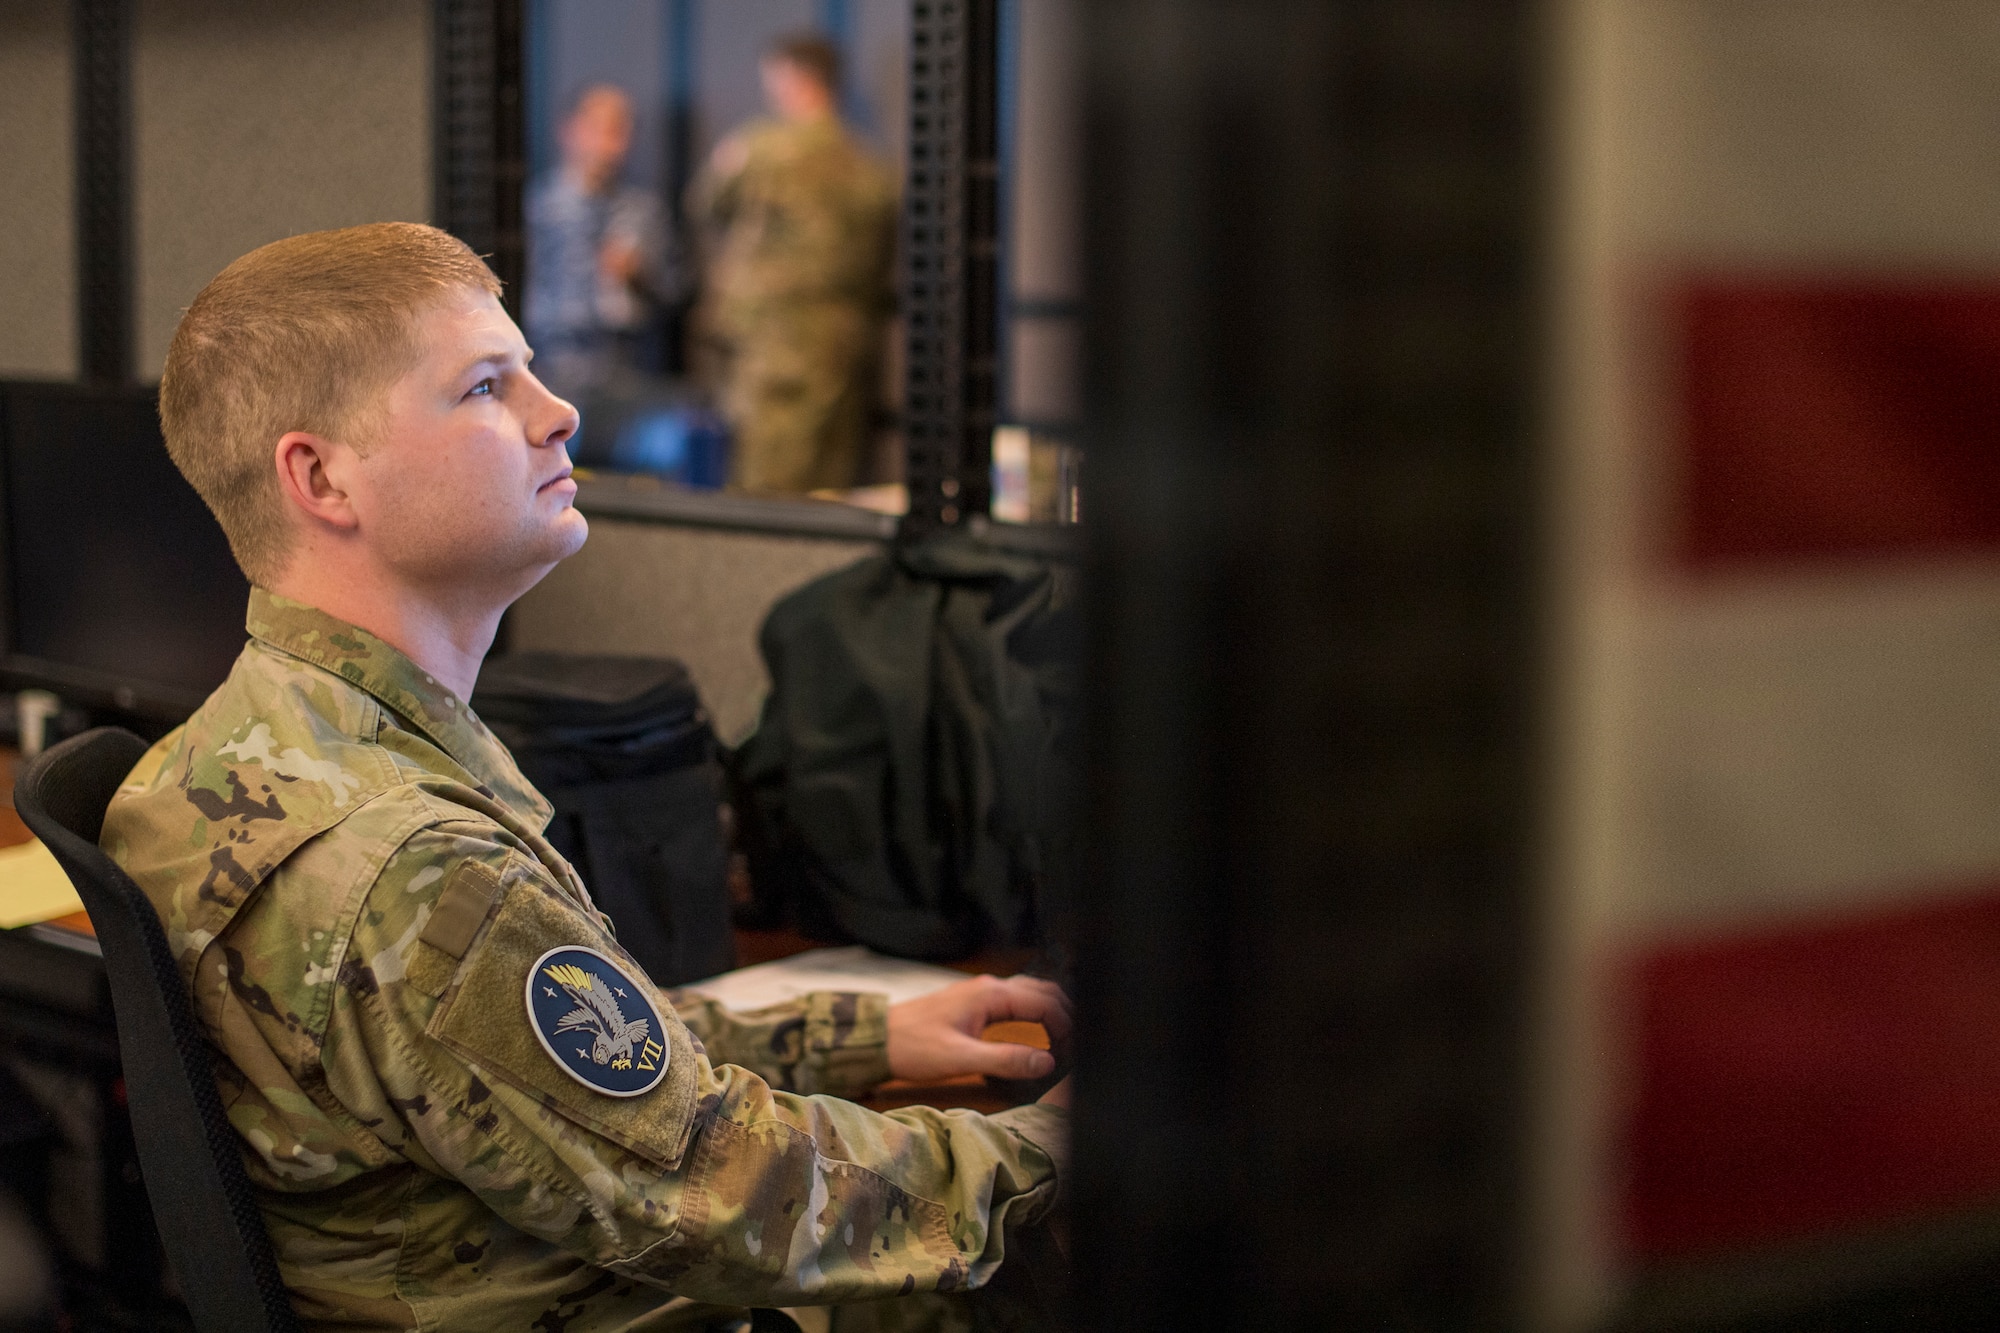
708 1183
834 1042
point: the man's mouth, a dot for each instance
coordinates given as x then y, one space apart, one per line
557 480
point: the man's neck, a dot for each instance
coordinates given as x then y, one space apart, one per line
448 640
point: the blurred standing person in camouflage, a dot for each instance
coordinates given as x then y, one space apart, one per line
798 225
463 1106
596 247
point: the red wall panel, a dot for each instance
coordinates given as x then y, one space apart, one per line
1815 1078
1836 419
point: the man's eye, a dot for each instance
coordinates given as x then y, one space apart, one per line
485 386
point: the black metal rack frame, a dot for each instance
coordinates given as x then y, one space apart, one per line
951 254
101 32
480 129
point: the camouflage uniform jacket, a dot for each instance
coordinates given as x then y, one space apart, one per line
351 872
809 218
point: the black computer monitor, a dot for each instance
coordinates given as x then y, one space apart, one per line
117 588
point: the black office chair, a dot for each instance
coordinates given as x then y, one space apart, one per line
214 1233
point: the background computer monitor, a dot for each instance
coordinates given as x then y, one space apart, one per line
118 587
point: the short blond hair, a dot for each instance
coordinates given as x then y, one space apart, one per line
301 334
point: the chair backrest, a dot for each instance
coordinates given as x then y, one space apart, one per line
190 1157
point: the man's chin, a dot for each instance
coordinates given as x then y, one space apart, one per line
560 540
510 569
572 530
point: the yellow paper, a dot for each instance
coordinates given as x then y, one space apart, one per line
33 887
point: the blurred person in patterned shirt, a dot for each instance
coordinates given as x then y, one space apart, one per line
598 260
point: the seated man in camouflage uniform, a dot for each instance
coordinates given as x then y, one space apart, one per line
462 1105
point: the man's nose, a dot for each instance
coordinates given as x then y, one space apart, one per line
555 422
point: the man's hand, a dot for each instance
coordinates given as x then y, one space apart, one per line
620 260
730 156
937 1036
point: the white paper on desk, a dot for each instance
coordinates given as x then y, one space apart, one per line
854 967
33 887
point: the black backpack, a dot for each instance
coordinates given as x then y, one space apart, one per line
623 750
912 783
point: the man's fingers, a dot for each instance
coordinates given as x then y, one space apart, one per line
938 1035
1029 1000
1006 1059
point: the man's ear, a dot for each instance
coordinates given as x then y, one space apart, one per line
311 473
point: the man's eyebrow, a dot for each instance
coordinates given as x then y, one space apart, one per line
494 358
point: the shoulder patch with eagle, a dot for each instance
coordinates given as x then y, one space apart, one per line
596 1022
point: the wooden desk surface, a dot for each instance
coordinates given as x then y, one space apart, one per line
752 946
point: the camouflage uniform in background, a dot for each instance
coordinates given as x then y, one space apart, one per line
352 874
799 243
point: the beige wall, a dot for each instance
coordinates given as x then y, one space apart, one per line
37 189
699 594
256 121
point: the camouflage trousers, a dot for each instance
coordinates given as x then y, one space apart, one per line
797 383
